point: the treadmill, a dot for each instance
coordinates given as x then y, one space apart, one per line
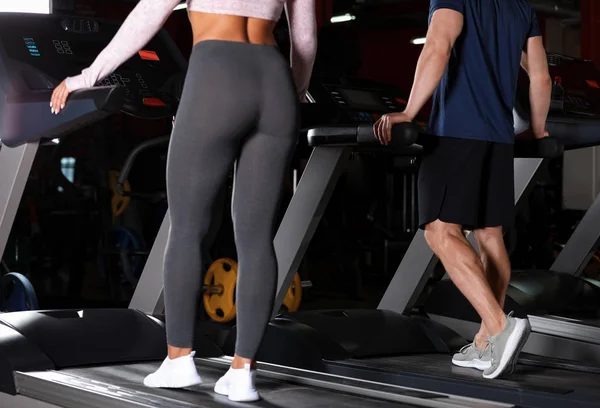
562 306
390 344
98 357
386 346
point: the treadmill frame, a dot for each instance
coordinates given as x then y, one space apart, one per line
15 166
73 391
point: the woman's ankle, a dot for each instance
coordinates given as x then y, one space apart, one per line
480 338
176 352
240 362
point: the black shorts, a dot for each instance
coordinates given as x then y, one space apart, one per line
467 182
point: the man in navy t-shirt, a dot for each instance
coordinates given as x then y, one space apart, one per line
471 59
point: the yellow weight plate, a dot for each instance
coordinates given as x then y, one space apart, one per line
119 203
221 275
293 297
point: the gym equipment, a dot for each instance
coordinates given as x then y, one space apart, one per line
64 357
59 339
293 296
555 300
388 344
410 351
219 289
120 193
125 242
130 249
17 294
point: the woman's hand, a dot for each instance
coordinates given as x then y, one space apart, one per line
59 97
383 127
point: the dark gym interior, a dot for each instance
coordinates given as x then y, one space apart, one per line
367 313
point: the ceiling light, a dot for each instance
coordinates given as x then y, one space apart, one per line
343 18
25 6
418 41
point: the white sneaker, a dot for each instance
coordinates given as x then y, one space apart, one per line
177 373
238 385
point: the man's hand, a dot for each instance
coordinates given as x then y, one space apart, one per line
59 97
383 127
545 134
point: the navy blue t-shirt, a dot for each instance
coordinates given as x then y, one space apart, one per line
476 96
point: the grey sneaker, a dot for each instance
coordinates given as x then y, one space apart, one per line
471 356
506 346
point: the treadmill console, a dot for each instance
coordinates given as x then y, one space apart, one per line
575 106
351 101
576 85
364 105
45 49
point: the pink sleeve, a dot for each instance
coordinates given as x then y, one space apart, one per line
137 30
302 20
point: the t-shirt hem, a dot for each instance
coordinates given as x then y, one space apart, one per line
478 137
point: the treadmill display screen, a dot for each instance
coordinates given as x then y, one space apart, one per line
31 47
363 99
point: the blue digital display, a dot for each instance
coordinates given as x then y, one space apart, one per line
31 47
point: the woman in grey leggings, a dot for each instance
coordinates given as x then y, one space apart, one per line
240 101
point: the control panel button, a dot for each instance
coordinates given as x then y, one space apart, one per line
154 102
148 55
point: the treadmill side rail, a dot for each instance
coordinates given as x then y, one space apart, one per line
17 353
72 338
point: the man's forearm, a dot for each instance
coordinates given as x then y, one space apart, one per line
540 91
430 69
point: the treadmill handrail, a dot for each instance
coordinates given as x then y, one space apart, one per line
20 125
403 134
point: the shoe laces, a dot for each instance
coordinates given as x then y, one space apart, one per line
492 347
484 346
465 349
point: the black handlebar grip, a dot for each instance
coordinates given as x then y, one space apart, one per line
546 148
403 134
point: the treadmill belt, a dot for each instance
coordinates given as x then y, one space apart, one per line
525 378
121 386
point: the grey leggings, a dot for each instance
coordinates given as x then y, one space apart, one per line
239 102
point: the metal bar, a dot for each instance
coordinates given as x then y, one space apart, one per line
148 295
582 244
304 213
15 166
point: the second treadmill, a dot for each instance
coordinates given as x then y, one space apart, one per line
389 345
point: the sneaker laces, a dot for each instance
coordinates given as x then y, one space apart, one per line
483 348
465 349
492 347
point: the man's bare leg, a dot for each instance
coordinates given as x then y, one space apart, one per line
466 271
496 267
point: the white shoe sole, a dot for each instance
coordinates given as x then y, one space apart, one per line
475 363
515 343
186 384
248 397
224 390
